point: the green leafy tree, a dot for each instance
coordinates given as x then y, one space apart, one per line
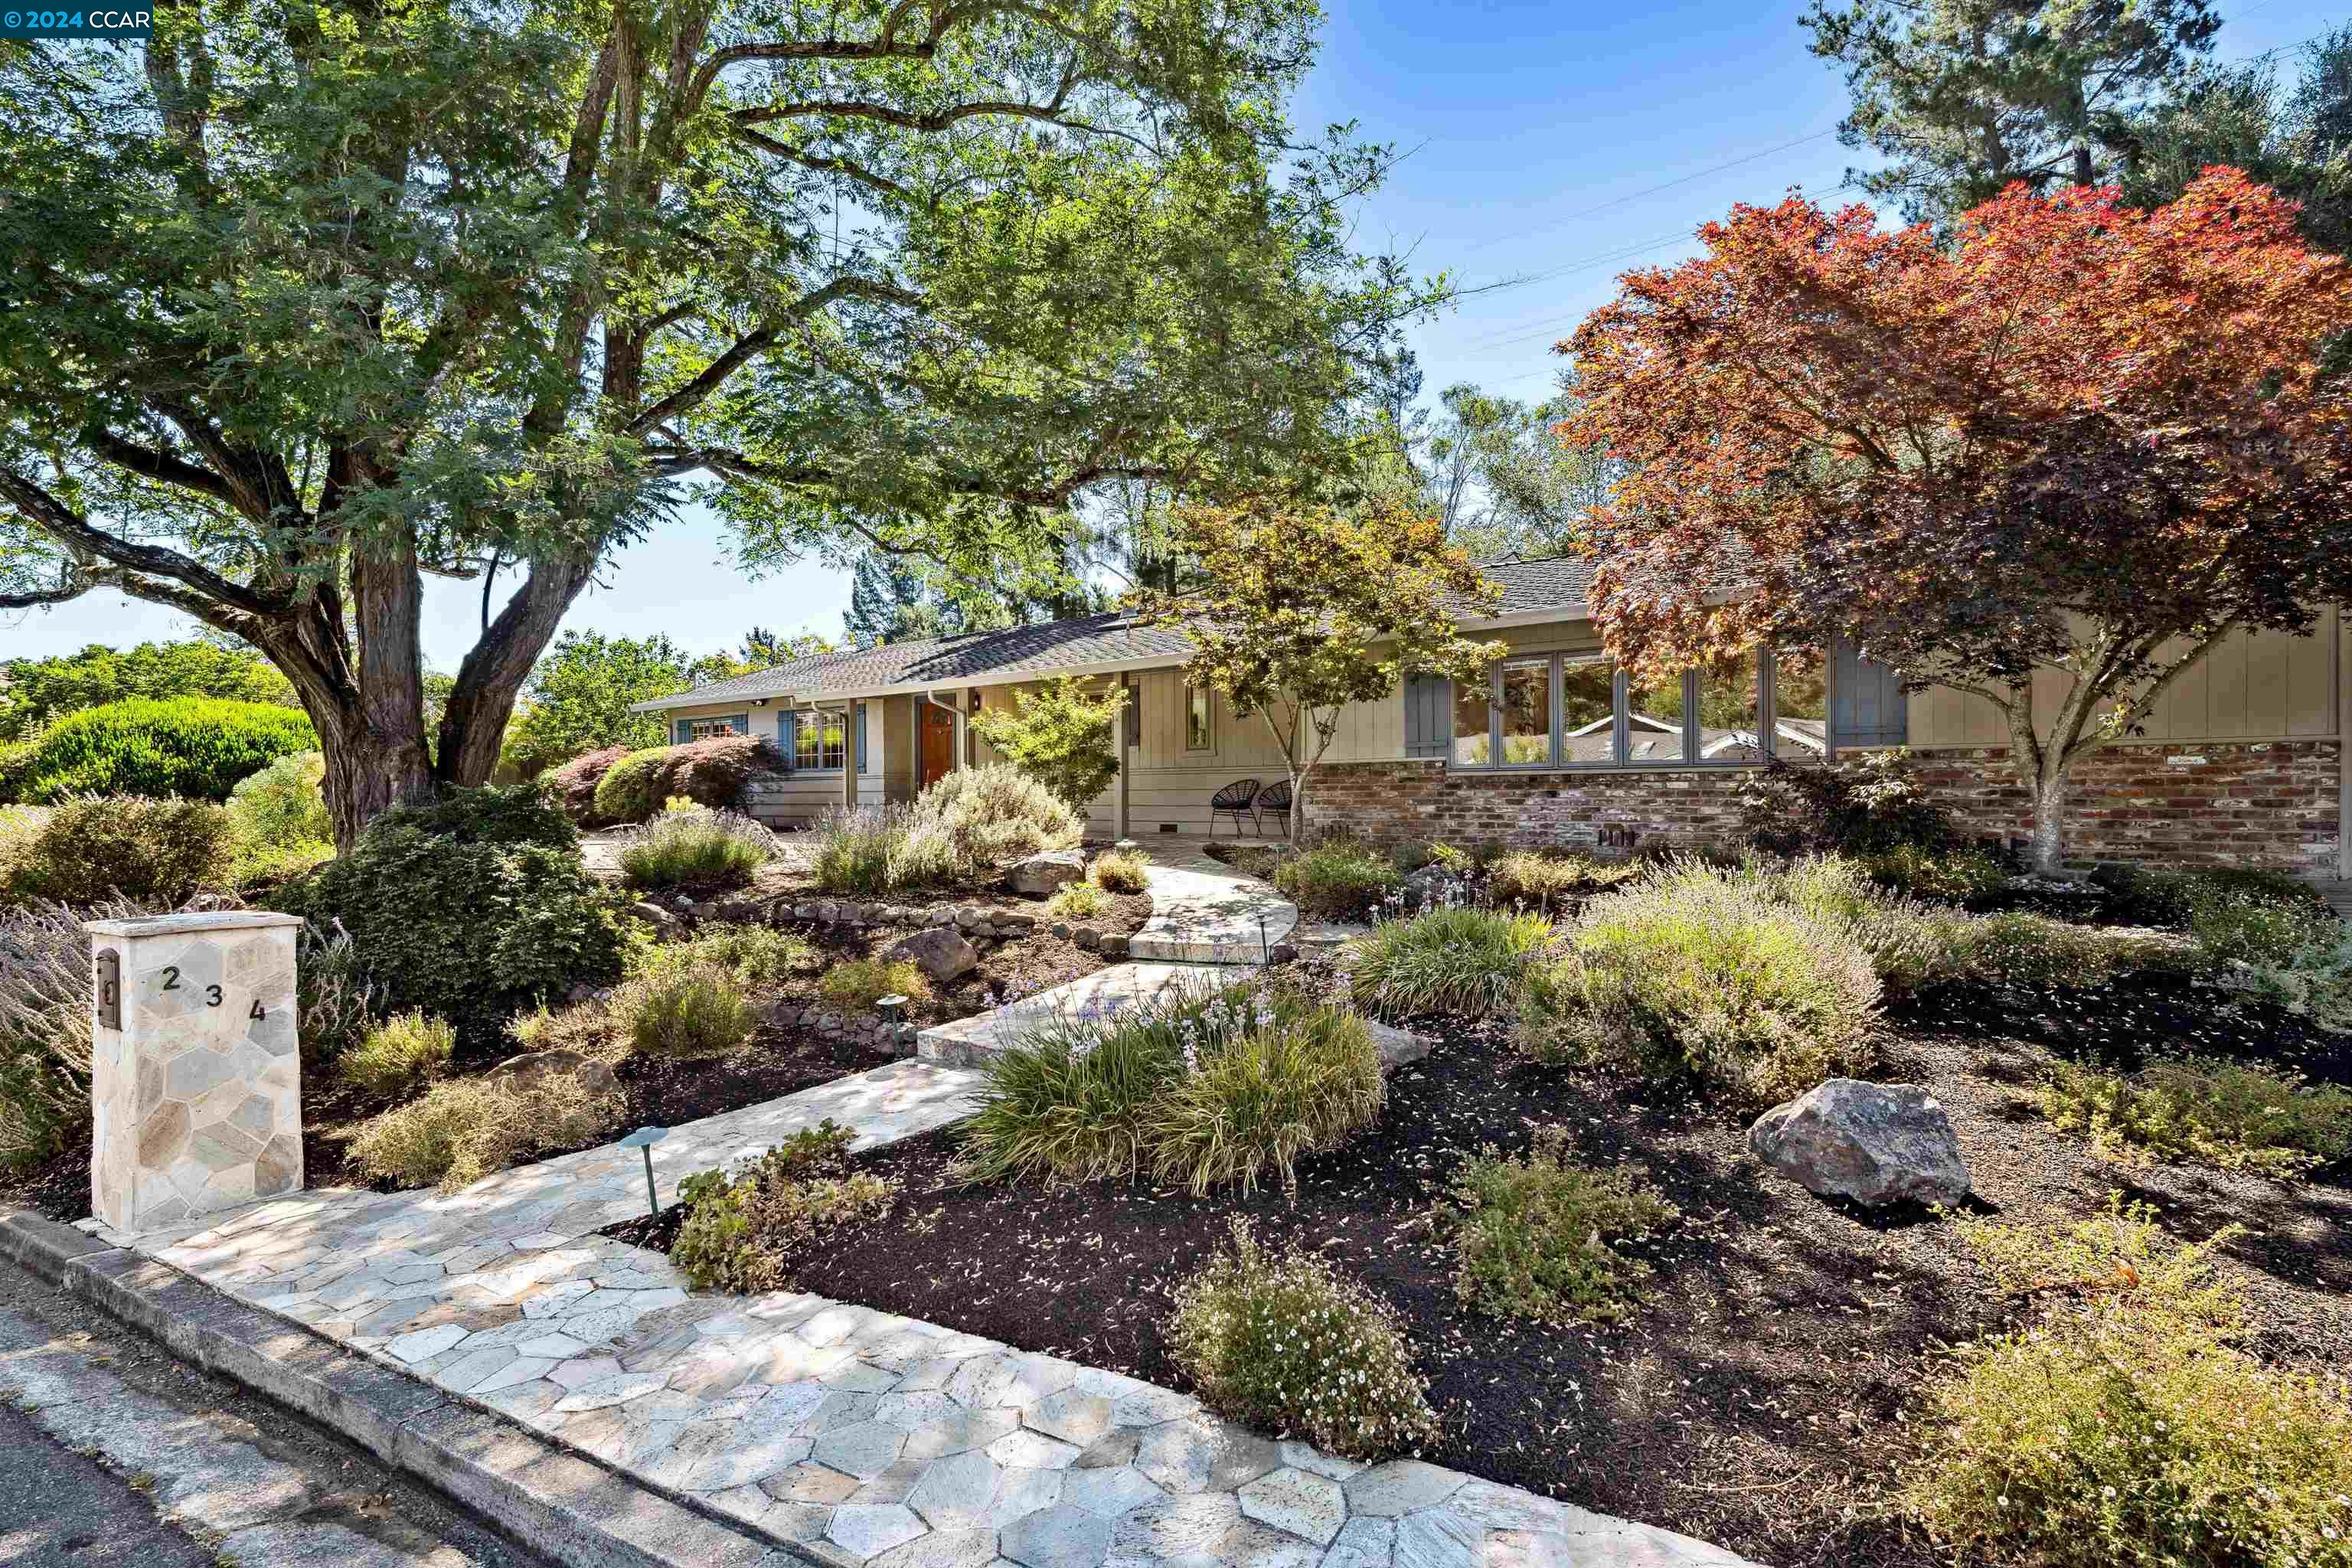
581 693
299 307
37 691
1962 97
761 649
2297 141
1302 609
1061 735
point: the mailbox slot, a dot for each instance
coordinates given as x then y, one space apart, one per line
107 981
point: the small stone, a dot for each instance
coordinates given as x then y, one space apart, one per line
654 915
1061 929
1086 939
1283 952
1113 945
971 917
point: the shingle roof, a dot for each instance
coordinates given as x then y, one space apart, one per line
1020 652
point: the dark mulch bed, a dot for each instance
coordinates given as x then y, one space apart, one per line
1757 1402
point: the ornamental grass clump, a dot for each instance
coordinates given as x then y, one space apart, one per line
863 982
459 1132
399 1055
1539 1236
1700 977
44 1024
1120 871
1266 1084
1285 1342
1078 902
696 848
1447 960
741 1231
2213 1112
2125 1426
692 1011
1546 878
1202 1088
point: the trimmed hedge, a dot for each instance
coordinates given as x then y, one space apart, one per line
710 772
198 747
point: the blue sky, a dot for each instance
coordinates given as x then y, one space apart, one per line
1538 134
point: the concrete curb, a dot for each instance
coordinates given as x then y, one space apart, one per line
548 1497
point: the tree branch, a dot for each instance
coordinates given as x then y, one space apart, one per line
824 165
53 517
750 344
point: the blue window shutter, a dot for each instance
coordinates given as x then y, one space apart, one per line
682 733
1428 699
861 737
787 741
1870 710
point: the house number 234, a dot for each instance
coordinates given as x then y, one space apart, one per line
211 992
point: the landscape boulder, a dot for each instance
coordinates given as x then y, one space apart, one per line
1875 1142
941 954
534 1067
1434 885
1039 876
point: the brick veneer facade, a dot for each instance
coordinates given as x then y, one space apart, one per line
2254 804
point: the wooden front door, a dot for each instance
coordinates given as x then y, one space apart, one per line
939 729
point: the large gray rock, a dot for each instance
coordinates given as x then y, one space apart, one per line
1040 875
1874 1143
1433 885
938 953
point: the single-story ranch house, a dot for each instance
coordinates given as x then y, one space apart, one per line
2243 762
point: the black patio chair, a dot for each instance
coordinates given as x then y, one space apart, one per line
1273 800
1233 801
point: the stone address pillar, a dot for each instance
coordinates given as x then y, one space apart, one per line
196 1075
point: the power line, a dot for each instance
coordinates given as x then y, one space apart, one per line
1649 191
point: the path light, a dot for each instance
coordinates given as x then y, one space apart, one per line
646 1138
1264 949
890 1006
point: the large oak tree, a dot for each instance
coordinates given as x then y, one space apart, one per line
2073 449
302 303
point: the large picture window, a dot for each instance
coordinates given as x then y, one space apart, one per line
818 739
1549 710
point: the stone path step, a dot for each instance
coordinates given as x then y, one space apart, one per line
1100 996
1204 911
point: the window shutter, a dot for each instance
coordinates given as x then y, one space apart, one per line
682 732
1870 709
1428 706
861 737
788 738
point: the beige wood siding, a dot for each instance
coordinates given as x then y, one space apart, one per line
2254 686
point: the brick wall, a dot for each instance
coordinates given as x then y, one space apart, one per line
2261 804
2271 805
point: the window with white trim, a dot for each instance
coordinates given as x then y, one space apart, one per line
708 729
818 738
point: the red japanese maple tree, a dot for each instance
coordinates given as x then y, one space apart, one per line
2051 465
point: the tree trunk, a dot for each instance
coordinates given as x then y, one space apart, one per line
2049 785
1297 802
474 722
370 770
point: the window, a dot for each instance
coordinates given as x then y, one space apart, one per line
1800 705
1474 722
1565 710
1731 712
1199 718
1653 721
1523 712
1588 711
710 728
816 741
